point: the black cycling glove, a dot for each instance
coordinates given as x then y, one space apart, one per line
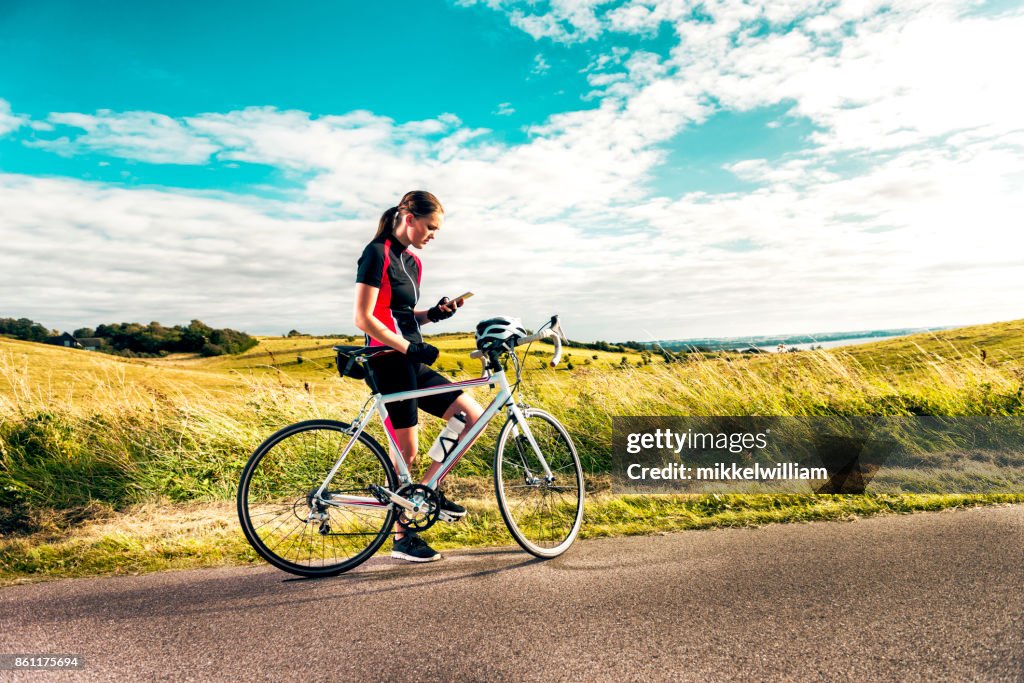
421 352
436 313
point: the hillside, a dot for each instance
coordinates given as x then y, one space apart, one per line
84 434
54 373
1001 342
60 374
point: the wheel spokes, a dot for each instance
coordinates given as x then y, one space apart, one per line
290 525
544 514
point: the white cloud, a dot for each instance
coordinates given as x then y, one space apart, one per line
9 121
933 130
143 136
143 255
565 21
635 17
538 26
505 109
801 171
612 57
540 65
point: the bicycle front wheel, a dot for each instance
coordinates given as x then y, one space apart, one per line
296 530
543 514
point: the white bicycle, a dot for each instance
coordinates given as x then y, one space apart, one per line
320 497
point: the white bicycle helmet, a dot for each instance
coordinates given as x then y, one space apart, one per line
496 331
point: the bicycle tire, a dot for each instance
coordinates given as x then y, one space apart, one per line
274 491
544 518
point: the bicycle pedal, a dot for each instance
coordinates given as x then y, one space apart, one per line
448 517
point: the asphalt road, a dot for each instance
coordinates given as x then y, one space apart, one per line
937 596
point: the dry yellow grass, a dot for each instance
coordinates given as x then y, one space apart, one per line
130 465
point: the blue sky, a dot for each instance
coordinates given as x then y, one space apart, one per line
649 169
407 60
183 59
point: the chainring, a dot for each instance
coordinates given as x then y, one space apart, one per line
428 507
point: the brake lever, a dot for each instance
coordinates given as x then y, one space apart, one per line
557 329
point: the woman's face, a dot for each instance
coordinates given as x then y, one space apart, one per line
422 230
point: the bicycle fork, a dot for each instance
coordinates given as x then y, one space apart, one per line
520 423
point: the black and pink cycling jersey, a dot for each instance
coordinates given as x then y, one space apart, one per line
387 264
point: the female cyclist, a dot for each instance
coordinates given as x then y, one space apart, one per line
387 291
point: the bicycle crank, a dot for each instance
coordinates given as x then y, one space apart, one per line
423 509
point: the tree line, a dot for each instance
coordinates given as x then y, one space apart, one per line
136 339
26 329
617 347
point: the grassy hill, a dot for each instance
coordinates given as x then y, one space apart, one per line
105 458
309 358
951 361
73 375
40 371
1002 344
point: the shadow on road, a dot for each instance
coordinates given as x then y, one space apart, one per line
172 594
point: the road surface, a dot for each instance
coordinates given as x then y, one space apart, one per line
934 596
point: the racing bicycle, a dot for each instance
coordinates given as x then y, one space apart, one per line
319 497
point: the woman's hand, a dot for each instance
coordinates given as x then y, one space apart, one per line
444 309
421 352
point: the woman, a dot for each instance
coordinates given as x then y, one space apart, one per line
387 291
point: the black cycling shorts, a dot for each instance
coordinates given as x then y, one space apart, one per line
394 373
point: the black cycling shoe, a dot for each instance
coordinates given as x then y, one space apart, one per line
412 548
450 511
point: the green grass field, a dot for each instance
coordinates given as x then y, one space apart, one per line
101 458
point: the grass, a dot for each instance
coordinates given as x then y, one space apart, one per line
114 465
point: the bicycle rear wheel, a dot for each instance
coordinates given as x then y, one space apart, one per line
543 516
294 530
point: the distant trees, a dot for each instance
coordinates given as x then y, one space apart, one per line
154 339
137 339
23 328
599 345
602 345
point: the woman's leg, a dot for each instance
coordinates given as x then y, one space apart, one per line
463 404
407 439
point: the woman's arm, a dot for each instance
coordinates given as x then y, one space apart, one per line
423 317
366 299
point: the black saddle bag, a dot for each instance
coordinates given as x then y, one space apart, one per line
346 361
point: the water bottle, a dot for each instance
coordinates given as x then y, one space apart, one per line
449 436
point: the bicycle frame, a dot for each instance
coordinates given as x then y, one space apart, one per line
378 405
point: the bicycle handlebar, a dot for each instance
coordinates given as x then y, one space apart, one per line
552 333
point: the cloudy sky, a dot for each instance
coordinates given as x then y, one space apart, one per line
646 168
